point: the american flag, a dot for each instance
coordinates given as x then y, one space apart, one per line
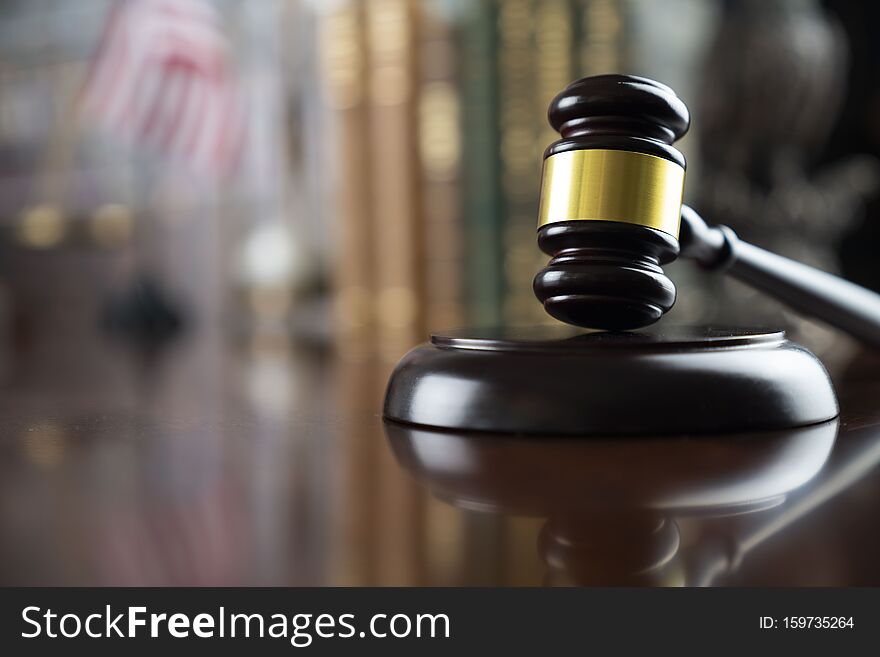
162 80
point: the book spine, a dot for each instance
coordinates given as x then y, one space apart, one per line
603 31
343 63
520 157
481 206
439 140
554 53
393 172
555 58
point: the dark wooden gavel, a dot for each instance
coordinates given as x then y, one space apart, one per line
611 215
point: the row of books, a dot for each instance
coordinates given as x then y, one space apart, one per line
438 119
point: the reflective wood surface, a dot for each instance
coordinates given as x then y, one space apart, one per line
269 464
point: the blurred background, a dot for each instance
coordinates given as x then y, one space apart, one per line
221 222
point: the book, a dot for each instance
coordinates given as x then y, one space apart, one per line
481 189
440 145
392 170
342 46
519 155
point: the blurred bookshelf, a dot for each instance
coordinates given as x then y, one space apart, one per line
391 173
443 233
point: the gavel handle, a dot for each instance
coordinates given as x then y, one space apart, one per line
844 305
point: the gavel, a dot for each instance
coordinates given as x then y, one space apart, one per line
611 216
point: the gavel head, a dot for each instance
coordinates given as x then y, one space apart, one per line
611 202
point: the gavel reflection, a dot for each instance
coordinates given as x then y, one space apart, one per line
611 505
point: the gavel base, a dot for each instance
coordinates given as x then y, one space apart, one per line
561 380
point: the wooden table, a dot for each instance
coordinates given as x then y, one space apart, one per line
268 464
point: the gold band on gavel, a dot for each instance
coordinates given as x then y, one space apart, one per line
608 185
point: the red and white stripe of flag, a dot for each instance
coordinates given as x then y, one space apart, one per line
162 80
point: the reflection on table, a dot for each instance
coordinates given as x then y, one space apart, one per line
268 463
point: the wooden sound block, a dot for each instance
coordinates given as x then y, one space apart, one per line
562 380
